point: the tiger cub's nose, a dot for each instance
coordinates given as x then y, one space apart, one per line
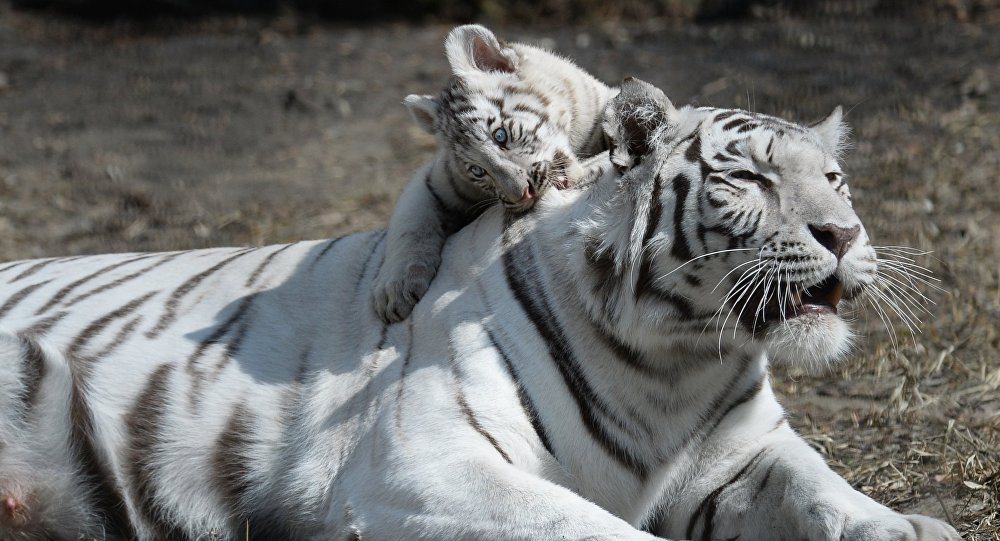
527 194
835 238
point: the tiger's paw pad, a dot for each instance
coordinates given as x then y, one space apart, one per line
901 528
397 293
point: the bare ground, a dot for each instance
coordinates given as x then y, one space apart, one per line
235 131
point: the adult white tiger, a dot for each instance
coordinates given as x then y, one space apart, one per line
551 385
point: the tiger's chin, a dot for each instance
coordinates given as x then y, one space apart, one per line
812 340
807 329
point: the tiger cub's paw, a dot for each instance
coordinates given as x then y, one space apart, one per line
398 291
901 528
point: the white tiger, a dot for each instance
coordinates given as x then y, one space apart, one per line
508 125
551 385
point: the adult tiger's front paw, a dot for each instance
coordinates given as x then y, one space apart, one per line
397 291
900 528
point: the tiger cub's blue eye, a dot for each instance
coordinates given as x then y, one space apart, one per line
500 135
477 171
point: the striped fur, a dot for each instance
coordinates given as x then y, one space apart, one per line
551 384
509 125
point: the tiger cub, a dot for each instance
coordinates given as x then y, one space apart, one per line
509 124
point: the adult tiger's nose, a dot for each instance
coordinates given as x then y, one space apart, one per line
527 194
835 238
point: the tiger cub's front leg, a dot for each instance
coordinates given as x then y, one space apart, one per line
417 231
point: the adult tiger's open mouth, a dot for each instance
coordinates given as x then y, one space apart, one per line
791 302
783 302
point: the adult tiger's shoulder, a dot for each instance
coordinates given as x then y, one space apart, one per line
509 125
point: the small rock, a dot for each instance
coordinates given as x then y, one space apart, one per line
976 84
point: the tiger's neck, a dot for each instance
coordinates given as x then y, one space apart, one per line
636 392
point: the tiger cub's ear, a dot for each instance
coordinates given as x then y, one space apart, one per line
423 109
471 48
634 119
832 132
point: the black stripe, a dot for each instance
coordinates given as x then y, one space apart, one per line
456 189
371 255
263 264
402 379
33 269
709 504
527 404
726 114
110 285
735 123
525 108
747 396
655 206
144 425
170 312
589 403
470 417
680 248
731 148
33 372
6 268
16 298
231 461
693 152
40 327
681 304
123 334
329 246
108 502
101 323
70 287
220 332
751 176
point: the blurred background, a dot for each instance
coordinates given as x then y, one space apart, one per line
166 124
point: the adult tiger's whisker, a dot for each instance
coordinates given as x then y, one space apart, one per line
905 290
693 259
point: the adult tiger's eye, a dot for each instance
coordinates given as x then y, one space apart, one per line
500 135
477 171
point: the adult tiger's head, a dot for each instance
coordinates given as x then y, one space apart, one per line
734 227
502 132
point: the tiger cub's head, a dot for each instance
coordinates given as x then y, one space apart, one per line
503 133
742 224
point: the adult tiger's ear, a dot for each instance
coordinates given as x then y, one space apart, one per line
472 48
832 132
635 119
423 109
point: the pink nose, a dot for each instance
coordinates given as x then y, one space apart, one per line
527 194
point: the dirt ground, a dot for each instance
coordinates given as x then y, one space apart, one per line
151 136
